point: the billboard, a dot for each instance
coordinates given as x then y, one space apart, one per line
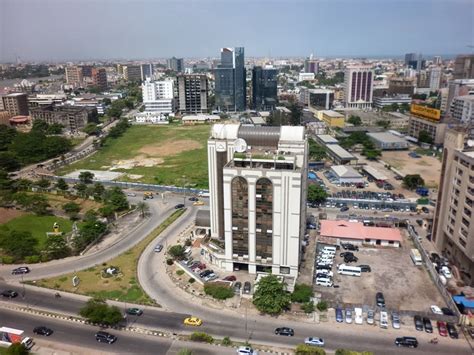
425 112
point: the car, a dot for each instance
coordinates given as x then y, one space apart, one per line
323 267
198 203
395 320
325 272
314 341
21 270
194 321
435 309
351 259
409 342
210 277
193 198
446 272
348 315
131 194
104 337
339 315
245 350
425 209
237 287
179 206
247 287
285 331
9 293
380 299
427 325
349 246
365 268
205 273
442 328
418 323
134 311
230 278
446 311
370 316
453 333
42 330
346 253
344 209
158 248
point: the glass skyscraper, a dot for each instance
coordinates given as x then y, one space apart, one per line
264 88
230 81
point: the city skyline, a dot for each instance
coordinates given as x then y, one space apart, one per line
266 28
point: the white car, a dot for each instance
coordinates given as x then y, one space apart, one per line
328 273
348 316
245 350
358 318
314 341
446 272
370 316
324 282
436 309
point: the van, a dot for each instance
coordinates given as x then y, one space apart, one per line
358 319
383 320
324 282
27 343
344 269
329 248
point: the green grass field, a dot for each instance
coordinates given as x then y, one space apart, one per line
190 163
38 225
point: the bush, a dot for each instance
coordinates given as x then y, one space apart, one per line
226 341
218 292
169 261
303 349
188 242
202 337
302 293
179 272
97 311
33 259
7 259
176 251
322 306
308 307
191 280
185 352
351 352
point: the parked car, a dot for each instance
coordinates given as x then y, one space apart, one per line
346 253
453 333
380 299
351 259
344 209
9 293
230 278
446 272
210 277
349 246
42 330
285 331
435 309
365 268
409 342
418 323
447 311
205 273
104 337
348 315
247 287
442 328
370 316
158 248
395 320
245 350
21 270
339 315
427 325
383 319
314 341
237 287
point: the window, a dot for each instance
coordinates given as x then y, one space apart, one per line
264 218
240 202
284 270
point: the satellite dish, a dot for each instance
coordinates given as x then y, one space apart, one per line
470 143
240 145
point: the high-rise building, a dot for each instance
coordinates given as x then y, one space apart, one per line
16 104
132 72
459 87
230 82
422 79
462 108
358 81
146 71
192 93
437 60
120 69
435 78
415 61
311 65
74 76
99 78
158 96
175 64
464 67
86 71
401 86
264 88
453 226
257 205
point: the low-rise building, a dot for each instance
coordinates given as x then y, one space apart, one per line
72 118
305 77
196 119
149 117
325 139
339 155
387 141
381 102
331 118
347 174
462 108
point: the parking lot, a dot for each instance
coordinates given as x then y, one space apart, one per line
406 287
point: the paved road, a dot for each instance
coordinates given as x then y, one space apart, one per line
79 338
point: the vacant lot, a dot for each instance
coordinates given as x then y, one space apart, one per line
160 154
37 225
405 286
7 214
427 166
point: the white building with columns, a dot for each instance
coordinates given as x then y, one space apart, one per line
257 185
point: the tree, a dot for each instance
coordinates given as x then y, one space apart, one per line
98 191
55 128
411 182
302 293
185 352
116 198
355 120
322 306
425 137
62 185
81 189
17 349
40 126
7 134
296 114
143 209
97 311
107 211
316 194
371 154
270 295
18 244
308 307
71 208
86 177
303 349
56 247
176 251
9 162
91 129
43 183
352 352
218 291
316 151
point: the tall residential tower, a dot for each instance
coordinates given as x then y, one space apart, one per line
359 85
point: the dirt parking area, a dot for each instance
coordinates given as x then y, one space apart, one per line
406 287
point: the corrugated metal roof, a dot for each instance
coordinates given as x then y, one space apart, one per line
260 136
203 218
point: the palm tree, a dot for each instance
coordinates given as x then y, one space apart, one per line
143 208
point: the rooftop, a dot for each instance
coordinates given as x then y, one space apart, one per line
357 230
345 171
332 113
374 173
386 137
326 138
340 152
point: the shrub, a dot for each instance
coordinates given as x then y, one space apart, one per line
308 307
33 259
303 349
302 293
179 272
226 341
322 306
202 337
169 261
191 280
351 352
7 259
218 292
188 242
185 352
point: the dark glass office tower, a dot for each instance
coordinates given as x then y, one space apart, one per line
264 88
230 80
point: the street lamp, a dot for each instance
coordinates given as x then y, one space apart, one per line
184 189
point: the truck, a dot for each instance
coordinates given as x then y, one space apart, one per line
416 257
422 191
9 336
147 195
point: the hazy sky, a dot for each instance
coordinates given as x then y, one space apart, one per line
94 29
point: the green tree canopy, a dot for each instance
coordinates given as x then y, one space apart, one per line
316 194
303 349
71 208
56 247
316 151
425 137
355 120
302 293
270 295
176 251
18 244
86 177
411 182
116 198
62 185
9 162
97 311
